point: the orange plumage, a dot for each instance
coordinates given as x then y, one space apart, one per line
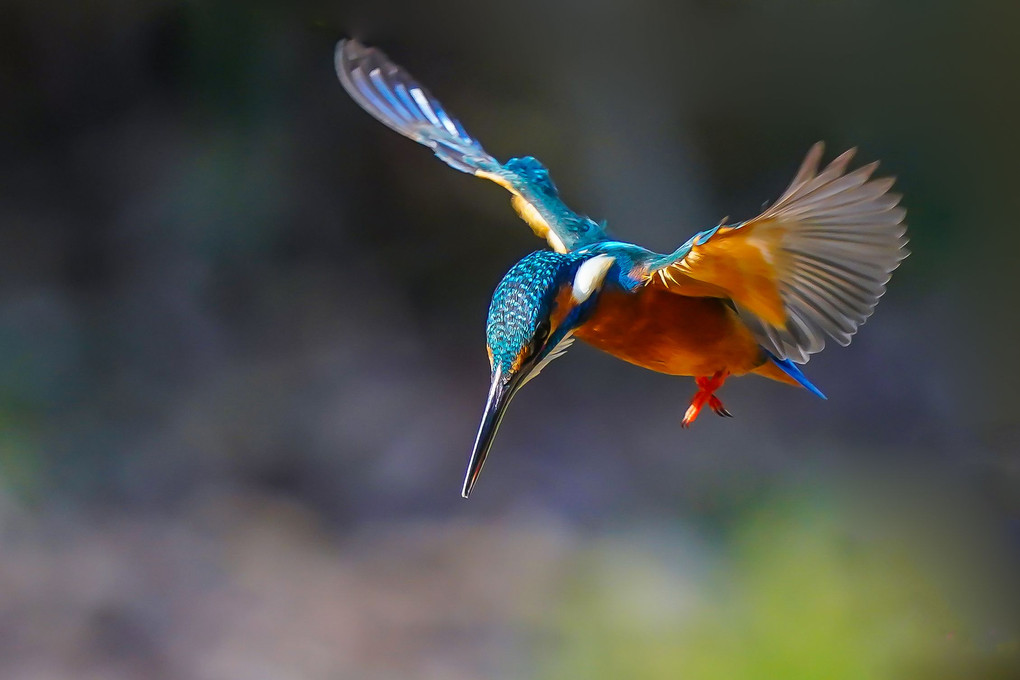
670 333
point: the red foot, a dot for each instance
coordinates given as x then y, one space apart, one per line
706 386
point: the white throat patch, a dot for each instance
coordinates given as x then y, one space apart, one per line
590 276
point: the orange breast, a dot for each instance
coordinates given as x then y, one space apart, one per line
671 333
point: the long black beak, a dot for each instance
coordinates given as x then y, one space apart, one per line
500 394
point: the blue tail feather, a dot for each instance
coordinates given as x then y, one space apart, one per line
791 369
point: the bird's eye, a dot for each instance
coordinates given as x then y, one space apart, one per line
541 333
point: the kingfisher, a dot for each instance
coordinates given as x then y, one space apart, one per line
758 296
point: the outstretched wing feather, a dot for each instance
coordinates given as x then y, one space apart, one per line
813 265
400 102
396 99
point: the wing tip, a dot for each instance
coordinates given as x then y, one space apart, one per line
347 55
855 237
347 50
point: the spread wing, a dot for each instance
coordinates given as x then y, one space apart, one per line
396 99
814 264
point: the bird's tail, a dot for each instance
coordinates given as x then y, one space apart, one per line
396 99
784 370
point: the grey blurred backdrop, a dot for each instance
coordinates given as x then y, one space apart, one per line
242 354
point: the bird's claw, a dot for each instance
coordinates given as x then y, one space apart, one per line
690 416
704 396
718 407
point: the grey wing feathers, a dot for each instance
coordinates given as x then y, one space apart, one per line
396 99
842 236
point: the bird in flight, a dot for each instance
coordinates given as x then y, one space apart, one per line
758 296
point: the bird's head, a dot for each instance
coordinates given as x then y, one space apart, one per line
534 312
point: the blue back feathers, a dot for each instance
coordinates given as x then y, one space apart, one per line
523 299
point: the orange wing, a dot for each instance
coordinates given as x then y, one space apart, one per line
813 264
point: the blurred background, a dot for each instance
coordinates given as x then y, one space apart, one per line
242 352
